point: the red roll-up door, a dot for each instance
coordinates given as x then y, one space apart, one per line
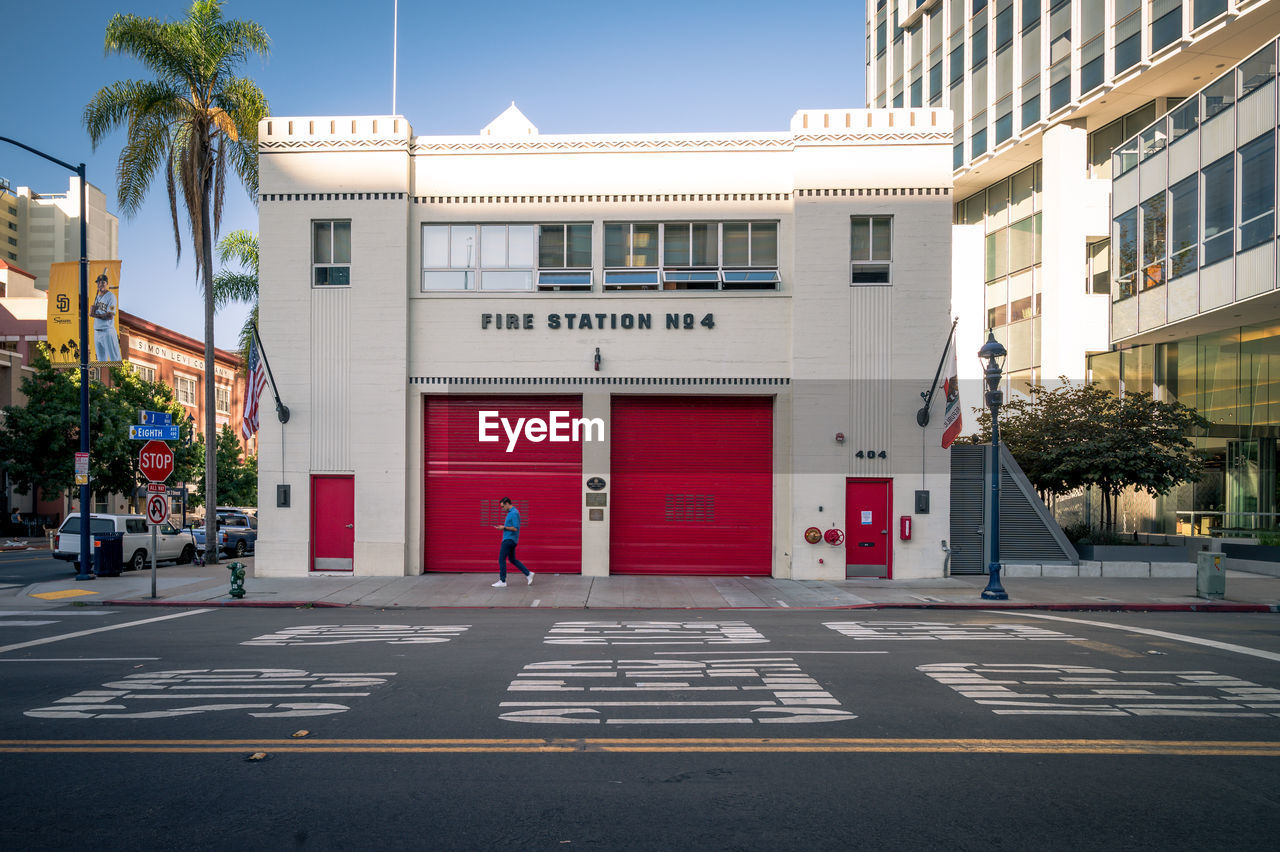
692 485
465 478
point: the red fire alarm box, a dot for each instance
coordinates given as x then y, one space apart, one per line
904 527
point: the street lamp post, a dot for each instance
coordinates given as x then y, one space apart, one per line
86 547
991 356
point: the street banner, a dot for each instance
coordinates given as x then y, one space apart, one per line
104 313
951 419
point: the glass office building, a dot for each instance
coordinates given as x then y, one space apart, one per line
1195 311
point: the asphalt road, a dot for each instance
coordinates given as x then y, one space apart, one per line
540 729
19 568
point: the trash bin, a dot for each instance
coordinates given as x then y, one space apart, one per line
1211 576
108 554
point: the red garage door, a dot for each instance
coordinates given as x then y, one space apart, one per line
692 489
466 477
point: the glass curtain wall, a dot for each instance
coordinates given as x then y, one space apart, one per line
1009 211
1232 378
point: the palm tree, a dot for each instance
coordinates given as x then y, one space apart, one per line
197 121
240 247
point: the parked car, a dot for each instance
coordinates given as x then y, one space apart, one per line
237 534
172 545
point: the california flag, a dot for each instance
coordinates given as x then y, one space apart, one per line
951 420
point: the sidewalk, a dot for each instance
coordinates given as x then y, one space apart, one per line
190 585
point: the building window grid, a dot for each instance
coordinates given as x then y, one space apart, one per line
331 252
658 255
1234 197
185 389
146 372
871 250
222 399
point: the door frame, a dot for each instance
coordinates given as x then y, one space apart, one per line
888 519
311 530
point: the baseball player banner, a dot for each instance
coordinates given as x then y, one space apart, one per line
104 313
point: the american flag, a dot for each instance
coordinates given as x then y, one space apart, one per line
257 381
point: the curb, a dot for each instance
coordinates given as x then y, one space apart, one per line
997 605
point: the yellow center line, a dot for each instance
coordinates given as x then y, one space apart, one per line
1214 748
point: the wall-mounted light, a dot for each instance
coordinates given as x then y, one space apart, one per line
839 437
597 359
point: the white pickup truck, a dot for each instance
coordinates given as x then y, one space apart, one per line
171 545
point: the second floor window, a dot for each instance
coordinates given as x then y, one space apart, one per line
691 256
222 399
506 257
184 388
145 372
331 253
872 244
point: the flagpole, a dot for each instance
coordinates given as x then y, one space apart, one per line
395 44
922 416
282 410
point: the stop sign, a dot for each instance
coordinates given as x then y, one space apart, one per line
156 461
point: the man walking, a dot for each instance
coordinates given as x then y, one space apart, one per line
510 536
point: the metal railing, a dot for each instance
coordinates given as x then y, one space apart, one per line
1229 524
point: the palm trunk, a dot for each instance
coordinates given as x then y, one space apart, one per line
210 414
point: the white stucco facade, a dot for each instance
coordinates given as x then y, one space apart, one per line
358 362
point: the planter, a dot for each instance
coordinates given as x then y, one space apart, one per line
1138 552
1252 552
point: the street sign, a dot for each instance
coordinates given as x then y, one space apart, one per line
155 418
82 479
157 488
156 461
82 464
153 433
157 509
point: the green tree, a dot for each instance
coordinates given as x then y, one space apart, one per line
237 475
1076 435
197 121
39 440
241 248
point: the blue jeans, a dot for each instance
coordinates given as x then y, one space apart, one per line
508 551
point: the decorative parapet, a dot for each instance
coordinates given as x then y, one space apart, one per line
334 134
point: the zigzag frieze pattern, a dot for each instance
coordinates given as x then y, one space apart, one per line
509 146
294 145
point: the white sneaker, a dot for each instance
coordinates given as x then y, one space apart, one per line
529 580
500 585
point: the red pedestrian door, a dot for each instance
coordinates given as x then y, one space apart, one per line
868 508
333 527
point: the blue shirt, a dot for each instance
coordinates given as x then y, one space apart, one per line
513 520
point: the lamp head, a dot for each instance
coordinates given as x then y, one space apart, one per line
992 356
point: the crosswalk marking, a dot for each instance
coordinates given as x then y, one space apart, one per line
941 630
349 634
653 633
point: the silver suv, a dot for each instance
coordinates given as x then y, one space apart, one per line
171 545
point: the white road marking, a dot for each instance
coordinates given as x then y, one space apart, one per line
653 633
705 653
47 640
1177 637
350 634
1072 690
76 659
785 693
783 604
917 630
536 601
113 700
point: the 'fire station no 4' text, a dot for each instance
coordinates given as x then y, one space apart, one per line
559 429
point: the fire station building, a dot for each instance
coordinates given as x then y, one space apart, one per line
676 353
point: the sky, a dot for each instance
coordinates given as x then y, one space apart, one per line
570 66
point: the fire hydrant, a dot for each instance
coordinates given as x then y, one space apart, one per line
237 579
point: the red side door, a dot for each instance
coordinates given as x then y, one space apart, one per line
333 528
868 504
465 478
692 485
